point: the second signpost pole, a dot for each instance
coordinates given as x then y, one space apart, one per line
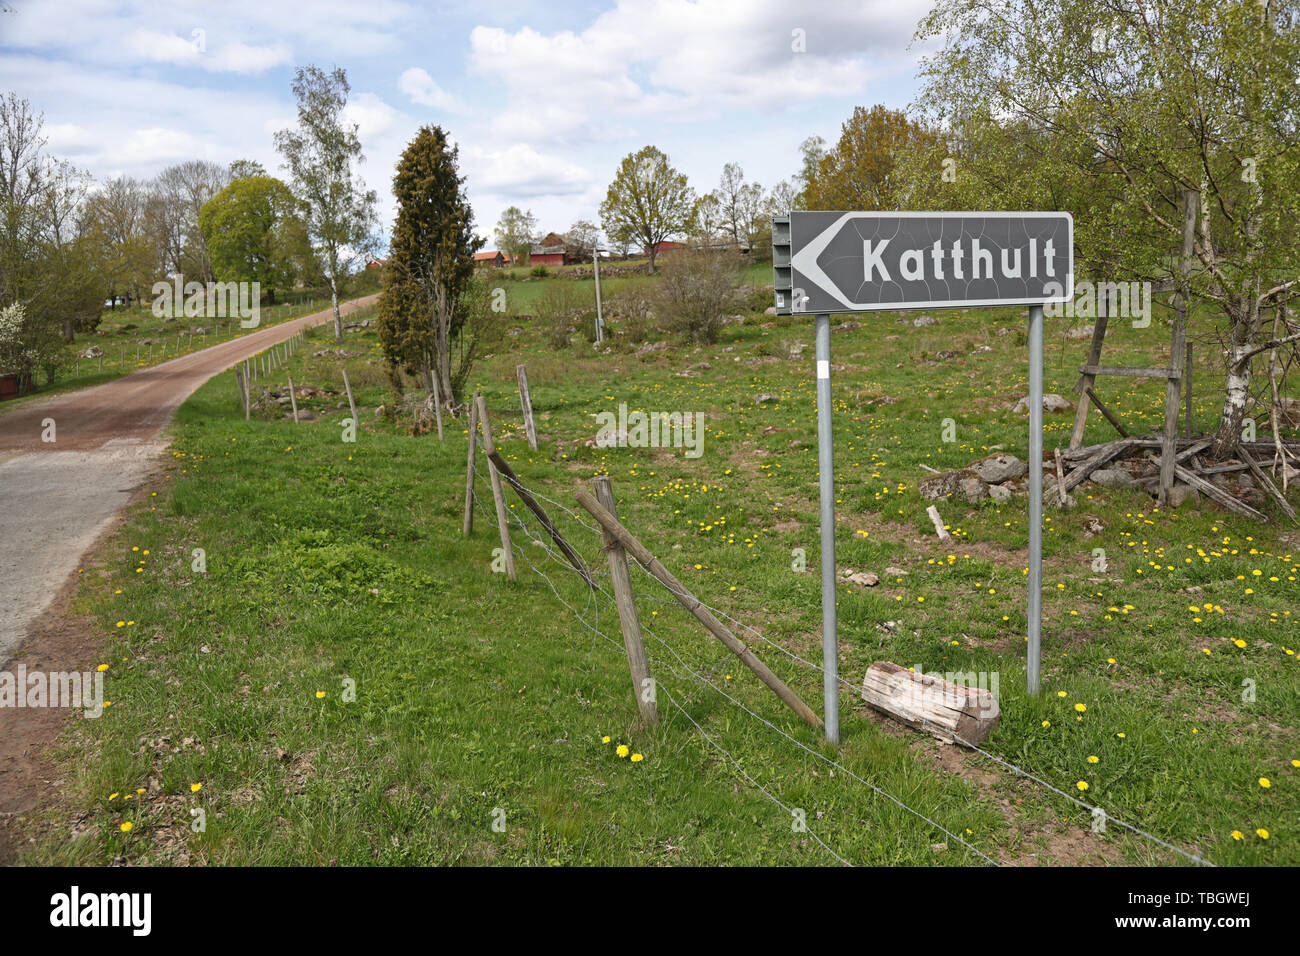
826 478
1035 496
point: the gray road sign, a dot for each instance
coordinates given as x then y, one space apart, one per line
866 261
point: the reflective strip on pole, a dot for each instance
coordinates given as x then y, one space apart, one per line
826 481
1035 497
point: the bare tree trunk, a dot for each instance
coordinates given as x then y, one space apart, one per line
338 318
1244 332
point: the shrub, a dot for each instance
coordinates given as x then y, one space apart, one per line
695 286
541 272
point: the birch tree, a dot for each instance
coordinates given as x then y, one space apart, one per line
1117 109
320 153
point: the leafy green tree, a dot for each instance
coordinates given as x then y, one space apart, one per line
647 202
115 220
859 172
431 310
254 234
811 152
515 233
49 284
244 168
319 153
1113 112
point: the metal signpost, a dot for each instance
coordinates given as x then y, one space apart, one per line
600 320
828 262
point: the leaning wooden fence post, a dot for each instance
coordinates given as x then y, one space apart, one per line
469 467
293 400
504 469
498 496
351 404
437 402
692 604
642 684
530 427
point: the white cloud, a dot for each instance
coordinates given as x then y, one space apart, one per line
374 117
689 60
519 171
236 57
417 84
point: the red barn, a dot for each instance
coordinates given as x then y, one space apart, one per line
550 251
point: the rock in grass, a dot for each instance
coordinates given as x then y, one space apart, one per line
1051 403
1112 478
996 469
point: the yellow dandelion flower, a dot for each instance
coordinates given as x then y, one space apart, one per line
195 787
1047 723
622 750
1265 782
126 827
1262 833
1237 835
637 758
1092 758
1061 693
1082 784
605 739
320 694
1081 707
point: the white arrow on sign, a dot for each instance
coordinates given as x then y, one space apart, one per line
805 260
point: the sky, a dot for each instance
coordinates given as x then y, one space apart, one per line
542 99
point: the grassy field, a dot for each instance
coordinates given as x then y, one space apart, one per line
349 681
132 338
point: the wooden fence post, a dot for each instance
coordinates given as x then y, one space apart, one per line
498 496
293 400
642 683
240 383
469 467
504 469
530 427
702 614
351 404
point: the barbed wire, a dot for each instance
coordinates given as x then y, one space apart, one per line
704 679
942 731
659 685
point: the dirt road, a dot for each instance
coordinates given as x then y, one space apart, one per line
57 498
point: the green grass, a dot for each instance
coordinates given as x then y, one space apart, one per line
329 562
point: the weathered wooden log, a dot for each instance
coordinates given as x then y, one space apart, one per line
1271 488
1218 494
949 711
1092 397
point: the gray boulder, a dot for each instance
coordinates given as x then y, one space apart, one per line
1112 478
999 468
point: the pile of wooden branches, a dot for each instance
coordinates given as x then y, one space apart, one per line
1268 463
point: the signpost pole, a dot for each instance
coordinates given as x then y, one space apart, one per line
600 320
1035 497
826 477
